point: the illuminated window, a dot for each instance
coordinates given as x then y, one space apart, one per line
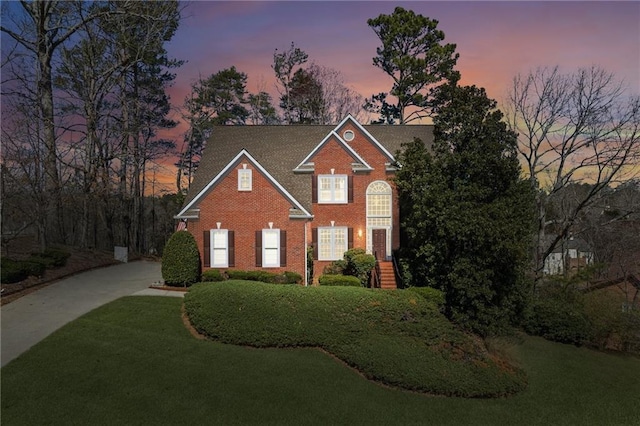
219 248
332 243
270 248
332 189
244 180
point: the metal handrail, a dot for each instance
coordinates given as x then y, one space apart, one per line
376 273
396 271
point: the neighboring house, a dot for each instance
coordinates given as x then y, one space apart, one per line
263 194
570 256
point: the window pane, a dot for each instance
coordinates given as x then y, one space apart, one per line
271 257
219 257
340 188
220 239
324 189
270 239
379 205
340 242
324 244
244 180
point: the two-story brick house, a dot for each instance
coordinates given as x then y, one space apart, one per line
263 194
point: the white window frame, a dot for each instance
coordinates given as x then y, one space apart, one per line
266 264
335 252
333 199
224 236
245 173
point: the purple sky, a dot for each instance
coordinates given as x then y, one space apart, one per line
495 40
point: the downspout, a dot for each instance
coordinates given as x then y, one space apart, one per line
306 247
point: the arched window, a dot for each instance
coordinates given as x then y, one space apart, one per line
379 201
379 214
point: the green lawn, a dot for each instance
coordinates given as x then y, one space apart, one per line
133 362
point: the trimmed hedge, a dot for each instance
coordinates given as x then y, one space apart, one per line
265 277
339 280
292 278
13 271
58 256
181 260
558 320
390 336
212 275
430 294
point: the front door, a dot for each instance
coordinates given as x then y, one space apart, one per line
379 243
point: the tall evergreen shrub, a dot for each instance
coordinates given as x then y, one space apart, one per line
181 260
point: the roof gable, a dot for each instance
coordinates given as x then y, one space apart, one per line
231 166
305 165
350 120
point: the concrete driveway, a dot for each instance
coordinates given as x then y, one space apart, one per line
33 317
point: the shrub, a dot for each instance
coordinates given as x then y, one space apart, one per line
212 275
33 268
58 256
181 260
336 267
11 271
265 277
390 336
339 280
46 262
430 294
560 319
360 266
292 278
356 263
262 276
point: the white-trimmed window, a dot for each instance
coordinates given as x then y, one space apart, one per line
219 248
244 180
332 243
270 248
332 189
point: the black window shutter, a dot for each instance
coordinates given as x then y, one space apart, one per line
314 188
314 242
259 248
232 248
206 256
283 248
350 232
350 189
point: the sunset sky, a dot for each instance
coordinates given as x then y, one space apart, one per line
495 40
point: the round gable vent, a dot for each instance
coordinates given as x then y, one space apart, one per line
348 135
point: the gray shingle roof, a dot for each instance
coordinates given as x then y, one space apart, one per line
279 149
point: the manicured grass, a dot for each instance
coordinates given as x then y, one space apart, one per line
133 362
396 337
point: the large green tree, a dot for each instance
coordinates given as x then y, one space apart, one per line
465 212
414 55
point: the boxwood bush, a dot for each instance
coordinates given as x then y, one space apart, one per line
181 260
13 271
292 278
58 256
286 277
212 275
339 280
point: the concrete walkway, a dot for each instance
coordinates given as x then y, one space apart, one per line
28 320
